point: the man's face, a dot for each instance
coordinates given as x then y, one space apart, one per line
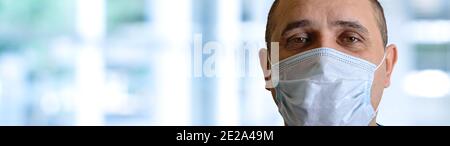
349 26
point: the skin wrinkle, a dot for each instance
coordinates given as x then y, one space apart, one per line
325 23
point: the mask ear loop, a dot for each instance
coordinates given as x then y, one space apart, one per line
382 61
378 67
266 71
268 75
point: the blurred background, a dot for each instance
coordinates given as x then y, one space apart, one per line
135 62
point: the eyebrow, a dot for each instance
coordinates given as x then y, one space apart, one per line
341 23
351 24
296 24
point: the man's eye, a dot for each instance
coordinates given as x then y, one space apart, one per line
299 40
351 40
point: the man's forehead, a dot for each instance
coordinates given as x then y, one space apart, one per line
368 13
289 11
293 3
330 7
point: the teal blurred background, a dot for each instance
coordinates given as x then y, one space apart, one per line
133 62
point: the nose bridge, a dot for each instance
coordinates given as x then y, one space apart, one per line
324 39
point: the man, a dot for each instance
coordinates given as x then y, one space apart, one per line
332 61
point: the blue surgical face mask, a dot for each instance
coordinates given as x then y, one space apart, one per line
324 87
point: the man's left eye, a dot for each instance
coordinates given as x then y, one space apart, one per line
351 40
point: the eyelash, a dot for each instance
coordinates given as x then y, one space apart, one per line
302 40
350 38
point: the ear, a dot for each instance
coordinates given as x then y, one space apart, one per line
263 60
391 60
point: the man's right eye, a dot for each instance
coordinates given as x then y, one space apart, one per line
297 42
300 40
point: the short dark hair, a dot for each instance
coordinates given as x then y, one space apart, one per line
381 19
